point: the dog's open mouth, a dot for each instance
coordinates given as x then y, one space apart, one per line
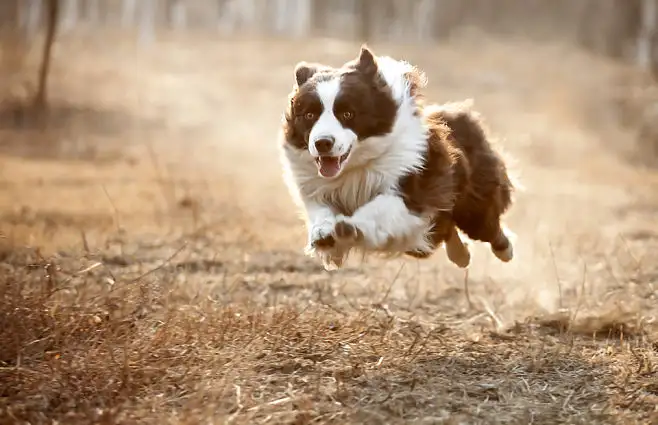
330 166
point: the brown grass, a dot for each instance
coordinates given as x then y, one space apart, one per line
82 344
166 284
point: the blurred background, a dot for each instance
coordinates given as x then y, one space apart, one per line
127 118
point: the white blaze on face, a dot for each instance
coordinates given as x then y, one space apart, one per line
329 127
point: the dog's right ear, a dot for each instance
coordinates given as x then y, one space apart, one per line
304 71
366 62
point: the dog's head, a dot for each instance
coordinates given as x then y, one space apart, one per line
332 110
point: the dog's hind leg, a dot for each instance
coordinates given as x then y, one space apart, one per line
444 231
489 229
502 246
457 250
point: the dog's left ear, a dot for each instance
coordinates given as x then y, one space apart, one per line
304 71
366 63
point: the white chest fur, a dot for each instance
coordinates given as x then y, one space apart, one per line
352 190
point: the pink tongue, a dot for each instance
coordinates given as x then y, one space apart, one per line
329 166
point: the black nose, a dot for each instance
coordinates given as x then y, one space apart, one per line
324 144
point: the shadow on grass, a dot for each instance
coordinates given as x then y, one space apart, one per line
79 344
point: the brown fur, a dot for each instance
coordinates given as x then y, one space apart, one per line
465 182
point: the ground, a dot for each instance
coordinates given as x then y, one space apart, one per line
152 265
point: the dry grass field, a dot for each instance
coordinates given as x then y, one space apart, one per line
151 266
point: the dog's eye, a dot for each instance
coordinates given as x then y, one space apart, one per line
347 115
309 116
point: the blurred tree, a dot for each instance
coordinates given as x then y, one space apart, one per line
128 13
177 14
30 16
13 50
148 12
9 14
70 14
52 19
364 20
93 11
647 43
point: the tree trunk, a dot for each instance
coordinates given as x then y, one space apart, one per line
51 30
645 48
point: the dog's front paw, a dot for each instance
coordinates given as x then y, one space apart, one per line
320 238
345 232
323 243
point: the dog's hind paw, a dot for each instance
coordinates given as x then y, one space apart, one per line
505 254
419 254
503 247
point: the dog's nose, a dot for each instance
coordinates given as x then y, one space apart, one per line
324 144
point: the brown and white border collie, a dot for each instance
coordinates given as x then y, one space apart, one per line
375 169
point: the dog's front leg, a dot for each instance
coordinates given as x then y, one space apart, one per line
385 223
321 222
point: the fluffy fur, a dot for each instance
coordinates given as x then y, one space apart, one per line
373 168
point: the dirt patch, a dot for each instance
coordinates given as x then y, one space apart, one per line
81 343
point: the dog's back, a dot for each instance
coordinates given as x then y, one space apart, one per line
483 189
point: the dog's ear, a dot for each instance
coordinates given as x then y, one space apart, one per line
366 63
416 79
304 71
